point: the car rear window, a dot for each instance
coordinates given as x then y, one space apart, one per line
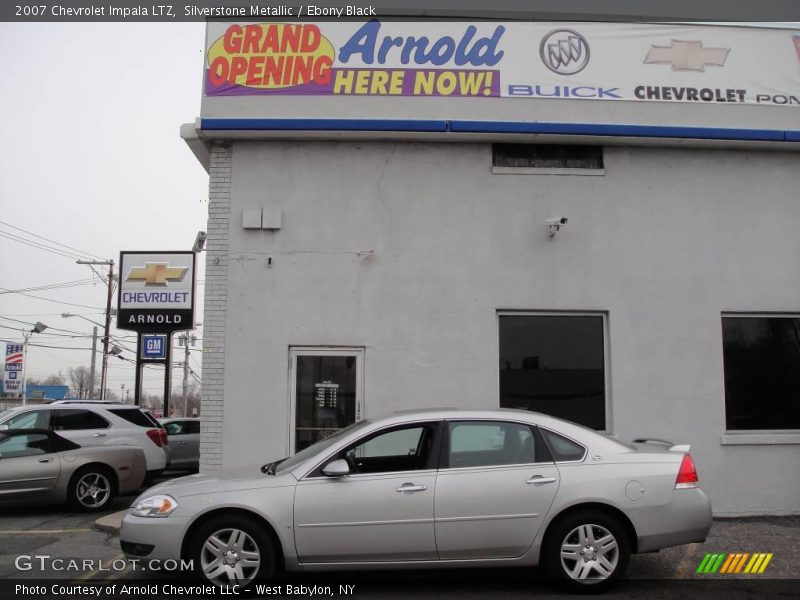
135 416
561 448
71 419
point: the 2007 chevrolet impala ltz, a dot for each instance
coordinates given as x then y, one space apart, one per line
432 489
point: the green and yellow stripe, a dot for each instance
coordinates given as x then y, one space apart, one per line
724 563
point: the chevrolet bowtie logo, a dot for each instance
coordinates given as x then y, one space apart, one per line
156 273
686 56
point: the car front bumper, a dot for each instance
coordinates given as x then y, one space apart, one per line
163 537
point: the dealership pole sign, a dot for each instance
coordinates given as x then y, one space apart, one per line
156 291
12 371
655 63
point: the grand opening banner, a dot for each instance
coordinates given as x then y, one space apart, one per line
588 61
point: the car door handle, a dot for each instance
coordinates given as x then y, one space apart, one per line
536 479
410 487
99 435
181 443
45 460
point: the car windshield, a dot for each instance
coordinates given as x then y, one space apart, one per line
321 445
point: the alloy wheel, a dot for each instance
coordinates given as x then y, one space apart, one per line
230 557
93 490
589 553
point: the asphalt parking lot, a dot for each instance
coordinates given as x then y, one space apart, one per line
58 532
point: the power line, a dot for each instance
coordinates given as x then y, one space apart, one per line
41 237
52 286
50 299
32 244
46 346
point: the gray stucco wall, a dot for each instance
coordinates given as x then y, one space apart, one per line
663 243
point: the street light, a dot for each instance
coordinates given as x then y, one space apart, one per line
39 327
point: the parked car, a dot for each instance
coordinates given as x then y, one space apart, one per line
432 489
184 443
96 424
40 465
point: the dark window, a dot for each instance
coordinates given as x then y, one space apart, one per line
561 448
487 443
547 156
135 416
554 364
192 427
27 444
400 449
72 419
762 372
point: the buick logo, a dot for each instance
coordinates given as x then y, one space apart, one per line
564 51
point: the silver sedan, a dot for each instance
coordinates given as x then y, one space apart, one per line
432 489
38 465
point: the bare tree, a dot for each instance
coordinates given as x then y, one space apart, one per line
57 379
81 379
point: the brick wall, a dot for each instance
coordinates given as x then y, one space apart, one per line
216 297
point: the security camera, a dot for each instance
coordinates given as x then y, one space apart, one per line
554 224
199 241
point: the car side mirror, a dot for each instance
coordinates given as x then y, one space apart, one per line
3 427
338 468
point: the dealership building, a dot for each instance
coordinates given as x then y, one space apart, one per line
591 220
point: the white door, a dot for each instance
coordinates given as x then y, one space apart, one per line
326 393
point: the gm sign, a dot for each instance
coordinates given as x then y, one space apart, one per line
156 292
154 347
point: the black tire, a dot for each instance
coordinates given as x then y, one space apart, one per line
92 488
601 551
232 551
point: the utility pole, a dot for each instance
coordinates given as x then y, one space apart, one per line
39 327
106 337
183 340
94 360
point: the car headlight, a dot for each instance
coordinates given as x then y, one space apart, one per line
155 506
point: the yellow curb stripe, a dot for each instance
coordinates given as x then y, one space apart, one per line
44 531
765 563
741 562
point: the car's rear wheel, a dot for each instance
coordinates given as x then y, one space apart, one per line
587 550
91 488
232 550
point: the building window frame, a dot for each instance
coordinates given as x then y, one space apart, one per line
752 437
548 170
604 314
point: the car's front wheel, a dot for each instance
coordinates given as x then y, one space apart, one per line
587 550
232 550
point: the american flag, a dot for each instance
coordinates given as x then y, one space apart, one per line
13 353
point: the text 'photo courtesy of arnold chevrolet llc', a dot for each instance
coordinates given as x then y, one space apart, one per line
470 305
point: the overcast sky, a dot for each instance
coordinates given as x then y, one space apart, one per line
93 159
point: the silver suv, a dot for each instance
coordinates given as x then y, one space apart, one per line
96 424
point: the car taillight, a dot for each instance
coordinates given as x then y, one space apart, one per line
155 436
687 474
164 438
